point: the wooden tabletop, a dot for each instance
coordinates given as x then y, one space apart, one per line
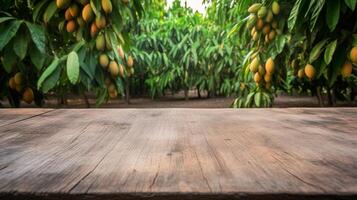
178 154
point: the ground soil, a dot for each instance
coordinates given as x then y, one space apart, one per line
178 101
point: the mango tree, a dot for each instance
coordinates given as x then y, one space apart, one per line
78 45
316 41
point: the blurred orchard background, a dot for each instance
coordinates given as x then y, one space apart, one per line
157 53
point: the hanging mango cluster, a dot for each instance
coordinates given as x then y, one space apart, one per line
84 23
19 84
309 70
346 70
264 29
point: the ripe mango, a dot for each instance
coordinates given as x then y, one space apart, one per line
254 8
93 30
301 73
353 55
121 52
275 8
113 68
19 78
100 42
346 70
87 13
254 65
61 4
257 77
130 61
71 26
12 84
267 78
266 29
272 35
28 95
67 15
259 24
104 60
74 10
270 66
100 22
262 12
310 71
107 6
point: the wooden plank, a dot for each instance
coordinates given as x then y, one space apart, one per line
9 116
181 154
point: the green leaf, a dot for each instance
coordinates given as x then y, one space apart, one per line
258 99
319 4
120 85
279 44
50 11
51 81
37 58
37 10
249 100
20 45
4 19
351 4
332 14
334 68
316 51
330 50
9 32
73 67
95 5
50 69
38 36
9 61
294 14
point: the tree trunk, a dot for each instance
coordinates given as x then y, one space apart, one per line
186 95
208 94
319 97
199 92
127 90
329 97
353 94
85 98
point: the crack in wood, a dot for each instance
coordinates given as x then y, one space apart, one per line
27 118
296 176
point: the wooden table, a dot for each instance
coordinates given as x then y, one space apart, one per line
178 154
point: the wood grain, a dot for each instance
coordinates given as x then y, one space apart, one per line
179 154
9 116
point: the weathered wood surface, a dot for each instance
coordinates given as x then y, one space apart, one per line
9 116
178 154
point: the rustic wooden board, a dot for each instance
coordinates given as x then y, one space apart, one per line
180 154
9 116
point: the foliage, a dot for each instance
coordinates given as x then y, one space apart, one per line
184 50
309 52
63 38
